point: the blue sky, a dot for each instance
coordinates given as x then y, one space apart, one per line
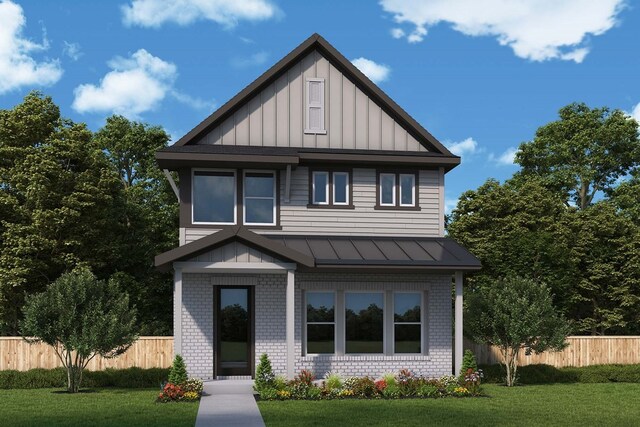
481 75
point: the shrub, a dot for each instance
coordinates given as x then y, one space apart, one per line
361 387
280 382
333 381
392 391
546 374
57 377
428 390
468 362
268 394
265 377
178 373
193 385
170 393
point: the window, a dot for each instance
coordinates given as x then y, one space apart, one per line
320 188
407 189
315 107
330 189
259 198
397 190
214 197
407 322
387 189
321 327
364 317
340 188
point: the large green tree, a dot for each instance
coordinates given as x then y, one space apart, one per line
150 214
584 152
60 203
515 229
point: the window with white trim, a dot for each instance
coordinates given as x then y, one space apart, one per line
340 188
321 322
364 322
213 197
259 198
397 190
407 189
314 110
407 322
320 187
387 189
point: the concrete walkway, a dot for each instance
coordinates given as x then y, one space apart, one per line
228 403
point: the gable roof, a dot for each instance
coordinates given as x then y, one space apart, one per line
346 67
242 234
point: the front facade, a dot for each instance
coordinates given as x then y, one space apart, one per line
312 230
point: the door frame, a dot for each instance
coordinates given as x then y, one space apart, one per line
217 368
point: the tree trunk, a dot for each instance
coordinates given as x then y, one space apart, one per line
74 377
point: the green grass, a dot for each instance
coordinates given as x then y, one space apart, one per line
101 407
612 404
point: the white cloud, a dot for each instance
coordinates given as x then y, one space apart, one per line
377 73
72 50
636 112
538 30
258 58
17 67
506 158
450 205
193 102
135 85
464 147
397 33
154 13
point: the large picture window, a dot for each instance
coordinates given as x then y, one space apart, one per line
259 198
407 322
214 197
320 322
364 318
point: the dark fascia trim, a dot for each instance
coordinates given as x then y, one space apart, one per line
377 159
386 269
396 263
345 66
173 160
212 241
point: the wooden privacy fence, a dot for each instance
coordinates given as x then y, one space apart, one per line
582 351
147 352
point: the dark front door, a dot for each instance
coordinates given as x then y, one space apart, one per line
235 330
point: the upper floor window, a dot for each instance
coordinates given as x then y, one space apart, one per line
330 188
219 197
214 197
259 198
314 110
397 190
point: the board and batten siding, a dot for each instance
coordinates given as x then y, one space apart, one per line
297 218
276 116
234 252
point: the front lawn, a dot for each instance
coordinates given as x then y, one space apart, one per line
101 407
559 404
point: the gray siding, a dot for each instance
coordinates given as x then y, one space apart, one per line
297 218
275 116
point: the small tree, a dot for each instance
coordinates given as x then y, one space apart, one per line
468 362
80 317
264 374
178 372
515 314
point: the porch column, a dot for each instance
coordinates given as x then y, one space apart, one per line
177 311
458 324
291 319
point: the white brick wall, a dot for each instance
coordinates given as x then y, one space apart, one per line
270 337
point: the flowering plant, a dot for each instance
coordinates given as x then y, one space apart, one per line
381 385
170 392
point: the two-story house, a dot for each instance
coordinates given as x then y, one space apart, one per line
312 229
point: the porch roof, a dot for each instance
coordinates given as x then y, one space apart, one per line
338 252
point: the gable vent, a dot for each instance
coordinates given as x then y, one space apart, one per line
315 106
